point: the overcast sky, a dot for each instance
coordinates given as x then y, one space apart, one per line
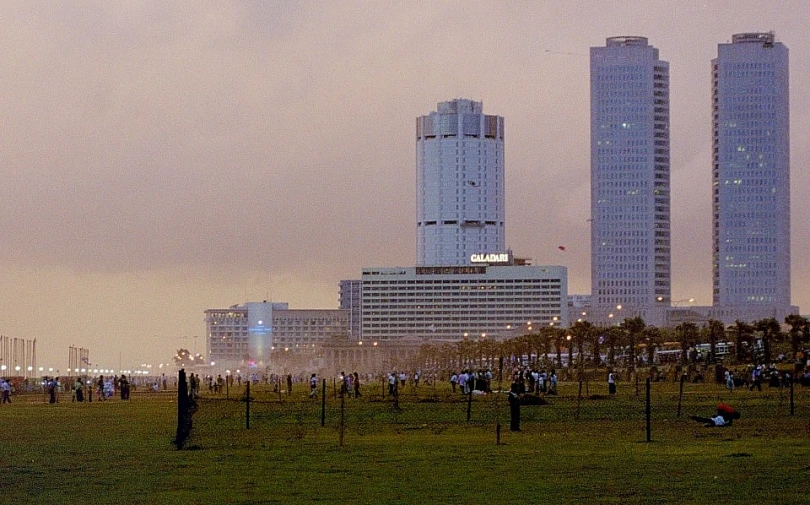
161 158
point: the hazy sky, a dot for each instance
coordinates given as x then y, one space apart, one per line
161 158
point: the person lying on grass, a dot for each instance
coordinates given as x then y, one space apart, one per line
725 416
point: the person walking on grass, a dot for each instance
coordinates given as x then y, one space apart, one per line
313 386
756 379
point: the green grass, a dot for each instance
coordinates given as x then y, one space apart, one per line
424 453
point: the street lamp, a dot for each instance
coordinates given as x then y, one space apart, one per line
570 351
688 300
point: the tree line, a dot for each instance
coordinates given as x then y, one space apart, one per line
584 344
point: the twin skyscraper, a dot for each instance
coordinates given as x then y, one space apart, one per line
460 181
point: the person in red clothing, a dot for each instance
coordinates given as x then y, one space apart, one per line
725 416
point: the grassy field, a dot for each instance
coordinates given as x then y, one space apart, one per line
588 450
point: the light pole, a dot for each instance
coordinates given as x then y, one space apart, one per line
570 351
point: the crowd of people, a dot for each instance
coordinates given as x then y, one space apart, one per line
526 379
754 377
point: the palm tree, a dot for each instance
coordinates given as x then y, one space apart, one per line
597 338
799 332
634 328
713 330
534 345
743 333
464 352
581 331
545 340
653 337
687 334
613 336
558 335
770 332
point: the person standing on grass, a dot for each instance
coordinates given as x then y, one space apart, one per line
6 387
552 380
392 383
453 381
100 387
514 407
79 388
347 381
51 385
462 382
611 383
356 383
123 386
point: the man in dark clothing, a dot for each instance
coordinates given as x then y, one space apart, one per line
514 408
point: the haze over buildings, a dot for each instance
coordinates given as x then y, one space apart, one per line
160 159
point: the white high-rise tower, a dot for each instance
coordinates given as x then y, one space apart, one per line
459 184
751 176
630 199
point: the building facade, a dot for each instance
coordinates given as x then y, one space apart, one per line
751 176
250 335
451 303
630 180
459 184
350 298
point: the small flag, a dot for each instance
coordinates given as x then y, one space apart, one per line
561 247
85 360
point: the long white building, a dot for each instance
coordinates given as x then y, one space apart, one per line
249 335
454 302
630 181
459 183
751 176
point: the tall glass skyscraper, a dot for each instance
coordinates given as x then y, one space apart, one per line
751 173
459 184
630 199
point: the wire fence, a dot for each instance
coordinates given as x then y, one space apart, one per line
435 408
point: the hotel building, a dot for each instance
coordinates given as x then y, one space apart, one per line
451 303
